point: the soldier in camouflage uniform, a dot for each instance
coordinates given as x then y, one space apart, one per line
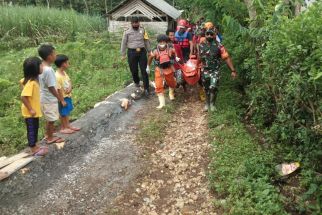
211 53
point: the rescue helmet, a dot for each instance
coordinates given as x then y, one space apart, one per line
182 23
162 38
209 25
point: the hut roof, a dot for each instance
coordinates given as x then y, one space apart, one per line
142 5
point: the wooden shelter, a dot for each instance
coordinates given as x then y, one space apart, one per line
155 15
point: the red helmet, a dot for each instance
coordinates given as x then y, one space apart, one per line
182 23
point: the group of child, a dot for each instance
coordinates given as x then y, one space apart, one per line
46 93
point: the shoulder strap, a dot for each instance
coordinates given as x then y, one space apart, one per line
169 52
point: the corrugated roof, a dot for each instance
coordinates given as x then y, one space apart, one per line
159 4
165 8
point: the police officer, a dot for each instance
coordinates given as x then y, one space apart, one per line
136 41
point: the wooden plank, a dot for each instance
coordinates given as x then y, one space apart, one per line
3 158
13 167
12 159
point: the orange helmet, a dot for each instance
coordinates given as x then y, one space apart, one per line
209 25
182 23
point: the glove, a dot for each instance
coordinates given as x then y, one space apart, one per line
178 59
148 70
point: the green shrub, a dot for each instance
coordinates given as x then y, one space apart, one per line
289 89
281 72
241 171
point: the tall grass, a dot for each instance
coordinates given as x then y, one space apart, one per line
26 26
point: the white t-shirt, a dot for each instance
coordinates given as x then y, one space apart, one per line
47 79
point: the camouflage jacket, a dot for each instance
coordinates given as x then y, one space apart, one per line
210 56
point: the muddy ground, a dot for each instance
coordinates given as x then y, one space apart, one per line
102 170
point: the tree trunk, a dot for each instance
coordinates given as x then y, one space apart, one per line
294 6
86 6
70 4
48 4
251 12
106 10
297 9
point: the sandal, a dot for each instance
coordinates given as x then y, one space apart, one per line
67 131
55 140
74 128
42 151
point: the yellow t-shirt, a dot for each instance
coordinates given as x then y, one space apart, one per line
63 83
32 92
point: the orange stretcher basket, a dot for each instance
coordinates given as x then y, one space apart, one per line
191 70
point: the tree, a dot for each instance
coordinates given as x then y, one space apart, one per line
252 12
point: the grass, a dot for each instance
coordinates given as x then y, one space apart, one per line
27 26
241 171
152 128
96 71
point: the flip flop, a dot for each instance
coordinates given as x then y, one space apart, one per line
74 128
67 131
60 140
55 140
42 151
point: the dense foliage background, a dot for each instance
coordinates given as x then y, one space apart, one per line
93 7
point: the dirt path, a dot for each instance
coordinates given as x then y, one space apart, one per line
175 181
104 170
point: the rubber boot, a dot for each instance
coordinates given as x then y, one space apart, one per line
161 100
213 96
207 105
171 93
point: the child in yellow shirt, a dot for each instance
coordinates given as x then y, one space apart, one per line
64 88
30 107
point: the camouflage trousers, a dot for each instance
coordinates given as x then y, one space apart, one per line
210 83
210 80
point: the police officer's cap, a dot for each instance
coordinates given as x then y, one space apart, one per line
162 38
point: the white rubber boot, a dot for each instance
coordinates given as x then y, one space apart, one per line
213 96
207 103
161 100
212 108
171 93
